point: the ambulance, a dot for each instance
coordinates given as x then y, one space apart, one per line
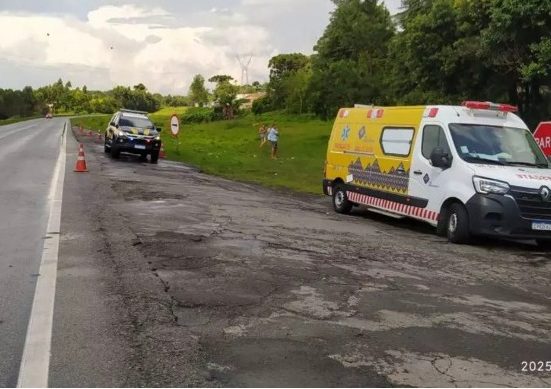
467 170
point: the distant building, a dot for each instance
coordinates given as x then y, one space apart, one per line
249 98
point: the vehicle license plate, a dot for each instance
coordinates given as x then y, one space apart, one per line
541 226
139 147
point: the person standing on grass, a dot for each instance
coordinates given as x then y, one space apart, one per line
273 138
262 133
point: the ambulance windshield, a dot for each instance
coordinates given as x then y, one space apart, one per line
483 144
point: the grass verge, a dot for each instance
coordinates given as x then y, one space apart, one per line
17 120
231 148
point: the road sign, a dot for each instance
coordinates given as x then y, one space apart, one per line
174 125
543 137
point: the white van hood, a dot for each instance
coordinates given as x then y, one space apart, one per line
515 176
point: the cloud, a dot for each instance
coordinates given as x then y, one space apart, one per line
162 44
127 44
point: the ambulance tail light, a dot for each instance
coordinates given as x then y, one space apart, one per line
486 105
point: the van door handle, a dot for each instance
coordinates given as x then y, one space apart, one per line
418 172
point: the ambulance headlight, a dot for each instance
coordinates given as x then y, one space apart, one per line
487 186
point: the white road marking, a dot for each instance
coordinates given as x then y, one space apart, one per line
35 362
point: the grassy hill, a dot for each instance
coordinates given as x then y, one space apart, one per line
231 148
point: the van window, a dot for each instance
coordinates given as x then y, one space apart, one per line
433 137
397 141
479 143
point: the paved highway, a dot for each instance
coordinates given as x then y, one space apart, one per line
29 151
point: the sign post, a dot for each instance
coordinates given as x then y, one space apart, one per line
543 137
175 129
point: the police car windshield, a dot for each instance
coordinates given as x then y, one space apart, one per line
483 144
138 122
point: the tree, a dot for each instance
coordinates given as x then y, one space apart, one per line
296 86
220 78
225 95
517 43
283 68
138 98
351 57
437 56
198 94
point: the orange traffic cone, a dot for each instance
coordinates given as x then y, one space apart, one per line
81 162
162 153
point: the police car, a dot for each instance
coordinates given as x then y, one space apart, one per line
133 132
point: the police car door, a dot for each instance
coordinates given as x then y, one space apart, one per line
427 181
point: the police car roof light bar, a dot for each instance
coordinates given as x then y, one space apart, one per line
486 105
134 111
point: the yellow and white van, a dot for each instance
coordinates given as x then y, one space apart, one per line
468 170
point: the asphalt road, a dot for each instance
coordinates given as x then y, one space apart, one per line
170 277
29 152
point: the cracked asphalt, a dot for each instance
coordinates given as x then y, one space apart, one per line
170 277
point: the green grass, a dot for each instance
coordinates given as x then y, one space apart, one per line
92 122
231 148
17 120
169 111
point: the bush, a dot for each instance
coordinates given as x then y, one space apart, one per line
262 105
198 115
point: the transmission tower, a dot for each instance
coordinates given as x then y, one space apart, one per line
245 64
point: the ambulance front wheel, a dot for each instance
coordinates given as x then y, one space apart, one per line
458 224
340 201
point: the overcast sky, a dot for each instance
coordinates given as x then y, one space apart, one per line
162 43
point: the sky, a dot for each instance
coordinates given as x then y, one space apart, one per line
162 43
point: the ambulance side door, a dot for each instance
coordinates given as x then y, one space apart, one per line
427 181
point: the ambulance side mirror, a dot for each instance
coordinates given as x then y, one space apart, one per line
440 159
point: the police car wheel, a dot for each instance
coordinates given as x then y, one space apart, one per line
115 152
155 157
340 201
458 224
106 147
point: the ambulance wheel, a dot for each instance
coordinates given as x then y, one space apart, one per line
544 244
442 226
458 224
340 201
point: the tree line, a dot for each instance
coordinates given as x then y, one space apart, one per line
432 52
61 97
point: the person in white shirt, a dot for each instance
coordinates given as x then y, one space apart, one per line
273 137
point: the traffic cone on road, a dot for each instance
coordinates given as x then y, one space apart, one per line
80 167
162 153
